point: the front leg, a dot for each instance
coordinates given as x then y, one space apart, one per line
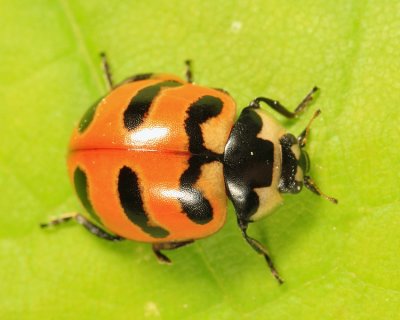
278 107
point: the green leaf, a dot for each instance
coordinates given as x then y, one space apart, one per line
339 262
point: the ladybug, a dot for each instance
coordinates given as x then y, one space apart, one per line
154 160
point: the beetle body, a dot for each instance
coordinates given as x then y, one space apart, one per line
154 160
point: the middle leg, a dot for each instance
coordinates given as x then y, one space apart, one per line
157 247
260 249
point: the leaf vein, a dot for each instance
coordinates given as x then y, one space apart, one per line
82 44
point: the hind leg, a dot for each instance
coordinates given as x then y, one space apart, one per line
86 223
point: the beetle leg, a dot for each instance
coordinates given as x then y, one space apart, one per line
162 258
86 223
278 107
188 72
106 70
259 248
61 219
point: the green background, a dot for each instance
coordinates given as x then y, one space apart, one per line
339 262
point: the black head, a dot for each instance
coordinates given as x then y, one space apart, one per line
292 173
296 164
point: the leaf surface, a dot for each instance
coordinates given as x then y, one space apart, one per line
339 262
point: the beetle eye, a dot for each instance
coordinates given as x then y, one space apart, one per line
304 161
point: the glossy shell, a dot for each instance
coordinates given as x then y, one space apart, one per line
144 160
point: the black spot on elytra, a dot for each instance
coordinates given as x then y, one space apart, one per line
140 103
195 205
138 77
199 112
87 118
82 189
132 203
